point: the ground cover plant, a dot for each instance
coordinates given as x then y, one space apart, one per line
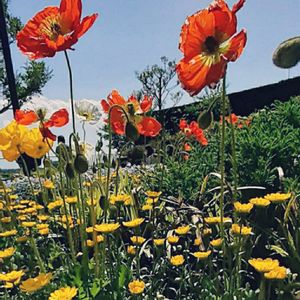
211 212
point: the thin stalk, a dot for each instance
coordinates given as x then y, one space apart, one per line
222 158
233 152
71 90
37 254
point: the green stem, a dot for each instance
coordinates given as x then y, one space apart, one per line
234 161
222 158
71 90
262 289
37 254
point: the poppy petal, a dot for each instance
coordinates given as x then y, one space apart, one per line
70 14
199 72
235 46
47 134
117 121
29 40
59 118
25 117
149 127
105 105
237 6
84 26
115 98
146 104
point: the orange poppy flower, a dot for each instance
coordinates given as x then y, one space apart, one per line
57 119
131 110
208 42
54 29
193 130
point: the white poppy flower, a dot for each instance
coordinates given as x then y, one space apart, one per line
88 111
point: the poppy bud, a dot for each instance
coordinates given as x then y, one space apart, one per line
70 170
113 211
99 146
81 164
102 202
205 119
94 169
287 54
47 163
131 132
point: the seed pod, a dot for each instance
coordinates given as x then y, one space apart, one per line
131 132
70 171
99 146
81 164
205 119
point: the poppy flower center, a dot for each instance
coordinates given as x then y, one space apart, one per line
51 27
211 45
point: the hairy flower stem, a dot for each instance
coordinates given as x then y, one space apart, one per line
222 159
233 152
71 90
37 254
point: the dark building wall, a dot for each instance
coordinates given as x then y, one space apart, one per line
243 103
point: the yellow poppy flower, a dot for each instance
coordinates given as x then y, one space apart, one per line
34 284
28 224
48 184
264 265
182 230
158 242
278 273
173 239
107 227
6 219
55 204
242 208
13 277
260 202
136 287
137 240
216 243
35 145
278 197
8 252
240 230
134 223
153 194
131 250
8 233
201 255
120 199
147 207
71 200
177 260
66 293
217 220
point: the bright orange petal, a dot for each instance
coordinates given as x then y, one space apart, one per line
236 46
30 40
149 127
70 14
196 74
117 121
58 119
25 117
84 26
115 98
105 106
146 104
236 7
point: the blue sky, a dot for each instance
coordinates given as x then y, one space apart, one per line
131 34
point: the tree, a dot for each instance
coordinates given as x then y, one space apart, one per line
31 79
160 82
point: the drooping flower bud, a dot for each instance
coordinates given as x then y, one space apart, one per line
70 171
131 132
81 164
287 54
205 119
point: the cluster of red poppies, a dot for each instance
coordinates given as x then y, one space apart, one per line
193 130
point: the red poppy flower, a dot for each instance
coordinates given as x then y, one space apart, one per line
193 130
208 42
54 29
57 119
135 113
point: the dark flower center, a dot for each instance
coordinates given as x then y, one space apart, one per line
211 45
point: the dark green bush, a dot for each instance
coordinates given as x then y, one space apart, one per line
272 141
